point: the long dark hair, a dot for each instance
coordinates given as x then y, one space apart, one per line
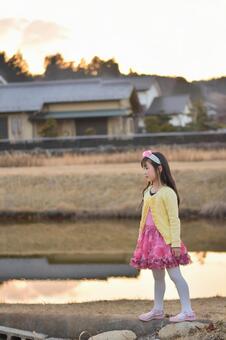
165 175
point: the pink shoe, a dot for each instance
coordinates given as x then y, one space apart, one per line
152 315
183 316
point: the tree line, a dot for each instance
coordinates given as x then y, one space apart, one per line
15 69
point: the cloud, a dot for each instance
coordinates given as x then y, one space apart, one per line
40 32
12 24
31 34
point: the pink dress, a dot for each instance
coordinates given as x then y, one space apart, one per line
153 253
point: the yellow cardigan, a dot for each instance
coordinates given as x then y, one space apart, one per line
165 212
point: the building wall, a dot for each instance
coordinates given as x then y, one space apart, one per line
120 126
19 126
108 105
146 97
181 119
115 125
125 104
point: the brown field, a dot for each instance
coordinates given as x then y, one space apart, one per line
173 153
72 241
101 187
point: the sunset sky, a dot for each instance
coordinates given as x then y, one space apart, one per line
165 37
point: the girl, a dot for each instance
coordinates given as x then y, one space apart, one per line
159 245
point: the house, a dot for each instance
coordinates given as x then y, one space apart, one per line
79 107
147 89
177 107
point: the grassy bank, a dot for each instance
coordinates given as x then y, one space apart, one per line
107 187
174 153
103 239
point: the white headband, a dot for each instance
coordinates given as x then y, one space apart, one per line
149 154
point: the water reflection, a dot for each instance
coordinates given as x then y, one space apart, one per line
40 268
207 267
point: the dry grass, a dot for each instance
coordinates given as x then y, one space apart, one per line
74 240
67 238
173 153
217 209
105 187
21 160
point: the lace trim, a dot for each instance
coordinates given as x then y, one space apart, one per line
160 263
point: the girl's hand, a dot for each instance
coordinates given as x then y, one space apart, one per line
176 251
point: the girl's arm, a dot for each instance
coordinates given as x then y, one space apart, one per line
171 204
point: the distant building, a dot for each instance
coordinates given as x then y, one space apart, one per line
147 88
177 107
80 107
215 104
211 109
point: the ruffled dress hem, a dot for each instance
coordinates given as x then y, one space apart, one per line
160 263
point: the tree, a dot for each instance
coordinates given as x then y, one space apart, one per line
181 86
81 69
93 68
101 68
49 128
109 69
132 73
158 123
57 68
3 65
200 119
15 68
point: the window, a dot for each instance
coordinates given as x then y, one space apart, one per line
3 127
16 126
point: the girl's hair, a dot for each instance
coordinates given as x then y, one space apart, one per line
165 175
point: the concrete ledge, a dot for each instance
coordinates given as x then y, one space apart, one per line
10 333
71 326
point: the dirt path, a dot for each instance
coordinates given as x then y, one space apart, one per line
213 308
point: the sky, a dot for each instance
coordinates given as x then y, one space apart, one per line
166 37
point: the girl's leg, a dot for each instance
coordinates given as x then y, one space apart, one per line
182 288
159 288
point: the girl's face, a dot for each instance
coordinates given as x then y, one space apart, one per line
149 172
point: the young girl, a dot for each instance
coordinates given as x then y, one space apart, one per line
159 245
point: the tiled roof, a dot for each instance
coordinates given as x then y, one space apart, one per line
168 104
30 96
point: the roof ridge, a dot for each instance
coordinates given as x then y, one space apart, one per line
48 82
175 95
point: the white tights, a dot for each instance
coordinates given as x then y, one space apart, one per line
180 283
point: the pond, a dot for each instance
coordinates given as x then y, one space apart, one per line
61 279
